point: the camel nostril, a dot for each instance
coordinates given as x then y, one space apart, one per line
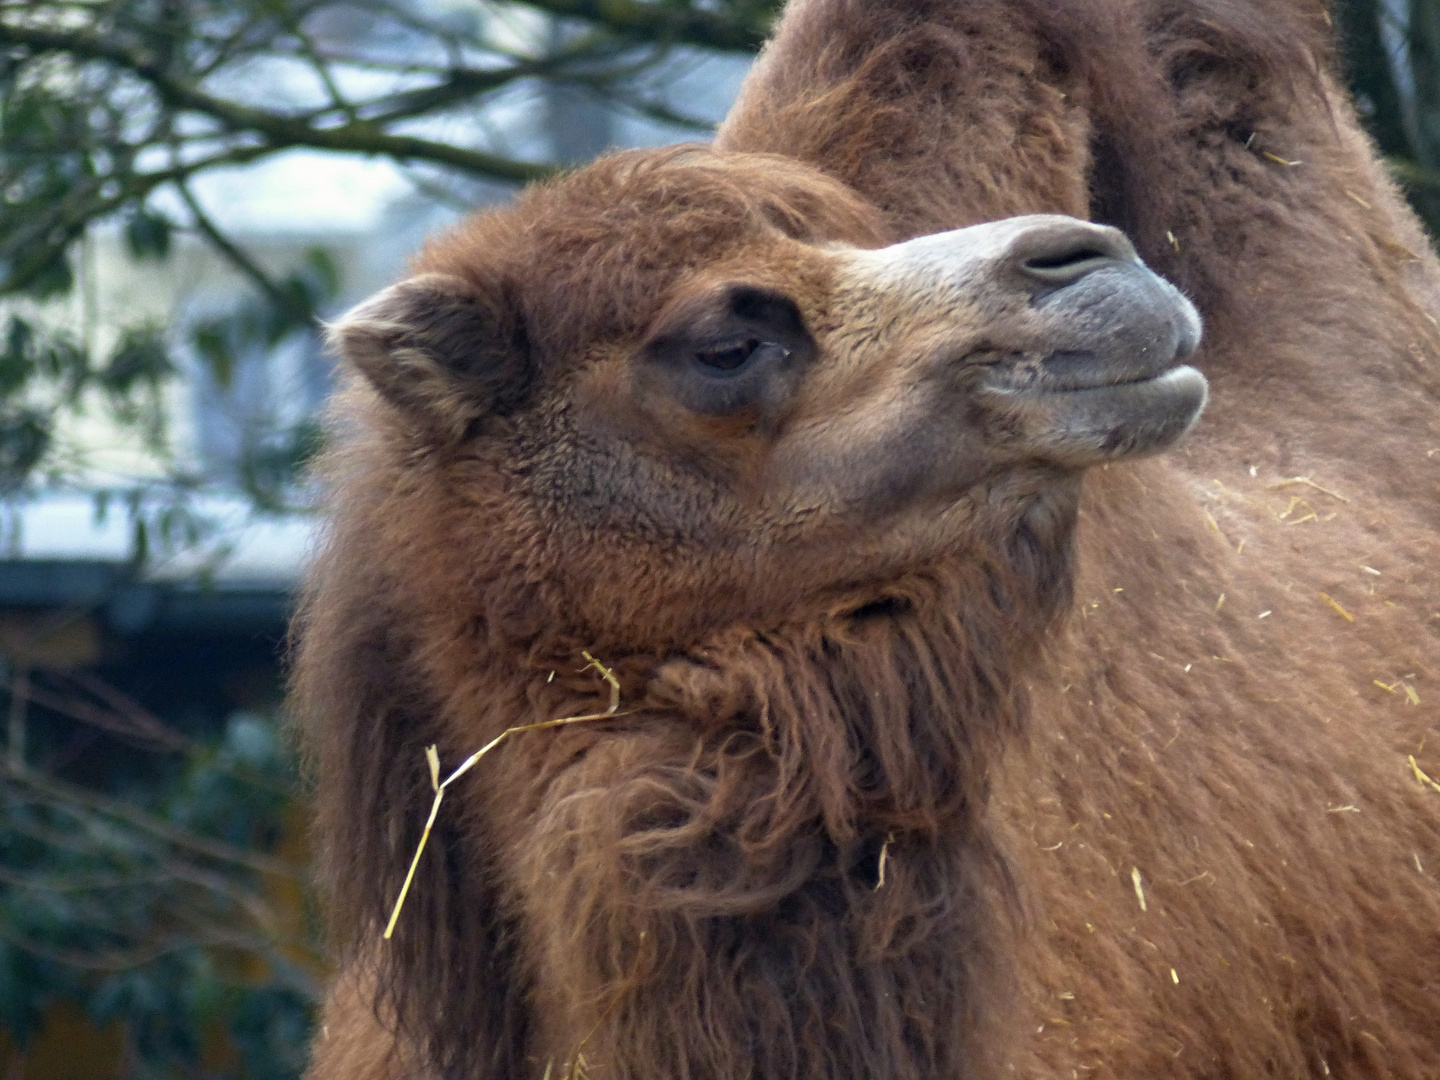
1054 258
1059 270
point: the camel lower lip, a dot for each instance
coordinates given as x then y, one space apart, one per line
1087 425
1178 375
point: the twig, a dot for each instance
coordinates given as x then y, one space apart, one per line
71 797
278 130
241 261
88 714
19 709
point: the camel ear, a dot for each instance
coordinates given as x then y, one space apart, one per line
444 350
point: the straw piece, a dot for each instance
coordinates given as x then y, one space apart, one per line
432 759
1293 480
579 1070
1280 160
1139 888
607 675
1309 515
1357 198
1421 777
1337 607
884 858
1401 250
410 874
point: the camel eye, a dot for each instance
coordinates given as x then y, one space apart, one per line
730 358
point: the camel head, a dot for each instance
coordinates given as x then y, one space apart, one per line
708 378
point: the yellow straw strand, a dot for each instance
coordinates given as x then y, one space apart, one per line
432 761
607 675
1421 777
410 874
1337 607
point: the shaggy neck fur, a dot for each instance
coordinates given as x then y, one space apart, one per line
717 849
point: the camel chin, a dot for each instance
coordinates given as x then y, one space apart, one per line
1108 421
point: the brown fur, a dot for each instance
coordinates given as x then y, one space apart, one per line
690 891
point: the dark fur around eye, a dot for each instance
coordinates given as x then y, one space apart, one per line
731 349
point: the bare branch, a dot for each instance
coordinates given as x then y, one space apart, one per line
143 720
87 202
65 796
239 259
640 20
116 960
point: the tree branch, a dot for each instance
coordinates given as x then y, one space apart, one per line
239 259
71 797
80 207
280 131
640 20
1413 175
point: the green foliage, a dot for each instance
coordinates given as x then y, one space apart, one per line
1392 51
147 234
110 106
159 902
45 374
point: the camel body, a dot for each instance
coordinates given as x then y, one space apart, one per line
1146 792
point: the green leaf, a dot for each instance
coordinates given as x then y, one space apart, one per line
214 346
147 235
43 276
25 435
140 358
17 362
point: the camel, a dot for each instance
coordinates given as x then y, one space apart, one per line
977 717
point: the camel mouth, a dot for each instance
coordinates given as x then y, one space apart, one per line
1086 423
1069 372
1181 380
1075 371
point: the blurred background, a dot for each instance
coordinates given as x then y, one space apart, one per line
186 186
